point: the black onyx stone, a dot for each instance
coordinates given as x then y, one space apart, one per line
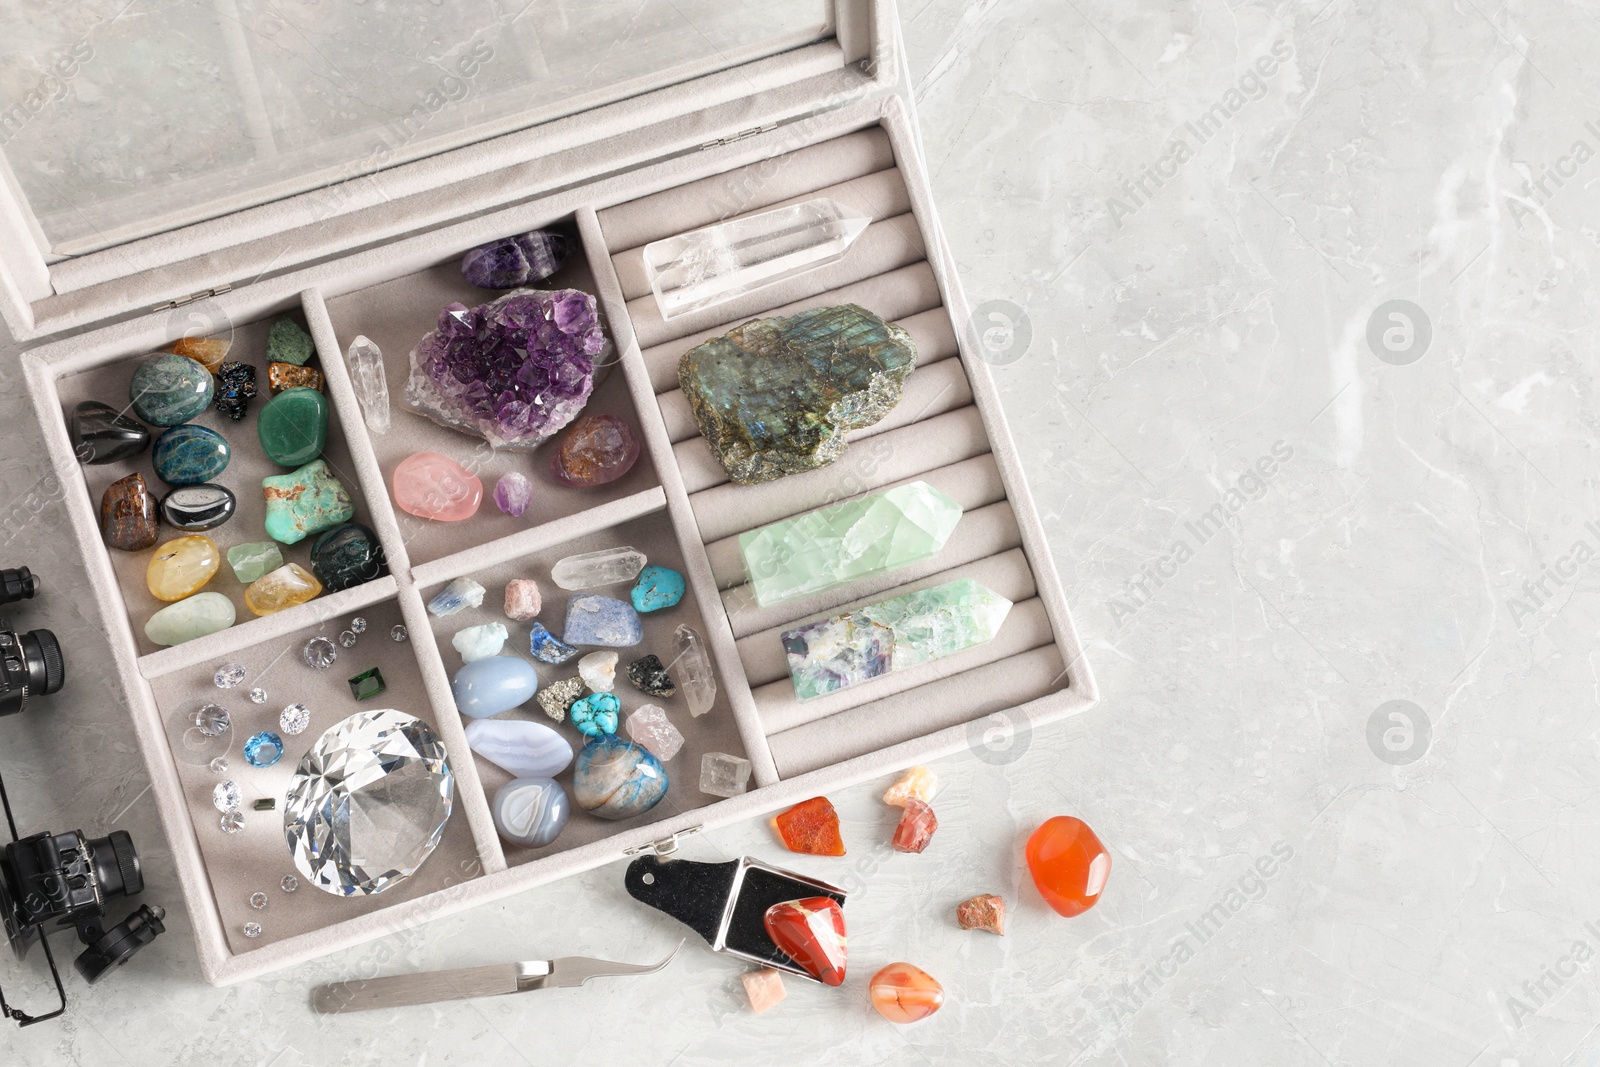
346 556
198 507
101 434
236 387
649 676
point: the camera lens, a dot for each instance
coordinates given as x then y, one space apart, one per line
16 583
116 864
47 671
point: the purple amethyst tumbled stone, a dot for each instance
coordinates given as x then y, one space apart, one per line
513 371
517 260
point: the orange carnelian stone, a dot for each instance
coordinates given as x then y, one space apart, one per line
1069 864
904 994
810 826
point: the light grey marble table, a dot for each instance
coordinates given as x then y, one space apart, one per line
1280 503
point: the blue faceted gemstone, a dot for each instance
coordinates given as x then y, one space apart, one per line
595 714
546 647
657 588
617 779
593 619
190 454
169 389
263 749
493 684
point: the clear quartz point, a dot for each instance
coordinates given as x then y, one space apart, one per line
692 670
365 361
589 570
704 268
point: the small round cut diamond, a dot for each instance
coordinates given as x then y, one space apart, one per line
358 625
219 766
290 883
229 675
319 653
398 632
258 696
232 822
212 720
252 930
347 638
294 719
258 900
225 797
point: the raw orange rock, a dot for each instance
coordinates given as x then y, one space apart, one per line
918 782
764 988
810 826
986 911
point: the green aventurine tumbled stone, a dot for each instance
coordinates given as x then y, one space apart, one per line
192 617
254 559
293 426
305 502
777 396
829 547
288 343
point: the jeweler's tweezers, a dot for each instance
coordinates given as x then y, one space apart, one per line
429 987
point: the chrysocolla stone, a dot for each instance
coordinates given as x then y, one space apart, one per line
617 779
293 427
892 635
459 594
480 642
595 714
305 502
196 616
285 376
649 676
190 454
546 647
182 566
288 343
514 371
845 542
777 396
168 389
530 812
348 556
513 261
102 434
489 686
236 387
519 747
593 619
198 507
254 559
597 450
128 519
657 588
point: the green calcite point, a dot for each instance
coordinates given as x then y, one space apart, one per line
192 617
841 543
892 635
305 502
293 426
254 559
288 343
777 396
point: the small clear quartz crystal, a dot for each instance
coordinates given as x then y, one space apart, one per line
229 675
589 570
704 268
319 653
692 669
365 361
722 775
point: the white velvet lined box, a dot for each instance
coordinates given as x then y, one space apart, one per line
676 505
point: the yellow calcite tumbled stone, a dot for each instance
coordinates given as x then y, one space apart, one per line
182 567
285 587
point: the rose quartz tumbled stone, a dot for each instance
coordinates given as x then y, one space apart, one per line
431 486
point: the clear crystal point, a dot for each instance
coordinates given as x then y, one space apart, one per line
692 669
365 361
589 570
368 803
707 267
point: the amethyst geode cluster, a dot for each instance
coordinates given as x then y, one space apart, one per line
513 371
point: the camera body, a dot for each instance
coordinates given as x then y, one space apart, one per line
30 663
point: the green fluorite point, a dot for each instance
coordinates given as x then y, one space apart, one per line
777 396
822 549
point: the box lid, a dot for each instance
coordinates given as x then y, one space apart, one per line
150 159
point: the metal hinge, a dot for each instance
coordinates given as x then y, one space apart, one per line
665 846
741 135
204 294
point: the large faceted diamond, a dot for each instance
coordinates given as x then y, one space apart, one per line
368 803
835 545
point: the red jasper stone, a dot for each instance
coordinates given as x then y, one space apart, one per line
810 932
1069 864
810 826
916 826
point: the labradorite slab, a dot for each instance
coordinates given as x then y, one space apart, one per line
346 556
198 507
169 389
102 434
777 396
305 502
190 454
293 427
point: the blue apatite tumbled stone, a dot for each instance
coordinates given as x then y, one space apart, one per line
546 647
190 454
617 779
493 684
595 714
593 619
657 588
169 389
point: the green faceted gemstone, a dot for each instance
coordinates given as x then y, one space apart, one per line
305 502
368 683
254 559
192 617
777 396
293 426
892 635
288 343
823 549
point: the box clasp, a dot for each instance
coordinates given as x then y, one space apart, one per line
204 294
664 846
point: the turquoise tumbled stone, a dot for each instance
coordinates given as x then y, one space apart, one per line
493 684
595 714
305 502
617 779
168 389
190 454
657 588
293 426
192 617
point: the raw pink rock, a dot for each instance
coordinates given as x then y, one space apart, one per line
431 486
522 599
764 988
